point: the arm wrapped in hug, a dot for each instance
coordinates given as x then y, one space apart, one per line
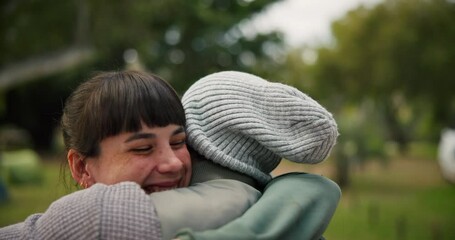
293 206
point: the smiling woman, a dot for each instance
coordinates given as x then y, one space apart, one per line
154 157
126 126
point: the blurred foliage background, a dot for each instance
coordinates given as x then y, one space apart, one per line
387 74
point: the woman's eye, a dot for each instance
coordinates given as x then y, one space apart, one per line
141 149
177 144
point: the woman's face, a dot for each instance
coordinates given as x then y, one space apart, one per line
156 158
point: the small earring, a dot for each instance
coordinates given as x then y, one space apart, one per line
83 184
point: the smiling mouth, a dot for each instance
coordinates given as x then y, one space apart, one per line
159 187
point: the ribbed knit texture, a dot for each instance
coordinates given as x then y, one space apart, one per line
248 124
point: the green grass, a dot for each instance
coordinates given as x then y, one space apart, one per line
25 200
407 215
405 199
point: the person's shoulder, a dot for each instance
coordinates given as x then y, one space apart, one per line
300 181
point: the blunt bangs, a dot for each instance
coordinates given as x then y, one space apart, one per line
135 97
126 99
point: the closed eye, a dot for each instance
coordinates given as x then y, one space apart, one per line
178 144
142 149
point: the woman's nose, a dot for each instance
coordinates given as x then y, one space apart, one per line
169 162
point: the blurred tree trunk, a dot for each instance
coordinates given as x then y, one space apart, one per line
342 163
342 177
83 22
396 131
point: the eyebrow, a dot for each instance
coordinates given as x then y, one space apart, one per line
137 136
178 130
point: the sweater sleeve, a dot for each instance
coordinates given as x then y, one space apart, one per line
203 206
120 211
293 206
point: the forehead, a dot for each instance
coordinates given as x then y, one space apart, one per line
146 132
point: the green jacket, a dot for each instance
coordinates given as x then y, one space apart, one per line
293 206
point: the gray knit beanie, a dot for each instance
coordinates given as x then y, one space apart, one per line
248 124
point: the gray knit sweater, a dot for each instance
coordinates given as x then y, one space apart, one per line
80 215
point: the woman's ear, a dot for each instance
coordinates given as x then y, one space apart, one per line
79 170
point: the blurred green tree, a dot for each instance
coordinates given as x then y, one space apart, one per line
59 43
400 55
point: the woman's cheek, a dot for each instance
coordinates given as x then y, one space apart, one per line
184 156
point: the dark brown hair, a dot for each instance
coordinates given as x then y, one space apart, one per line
113 102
